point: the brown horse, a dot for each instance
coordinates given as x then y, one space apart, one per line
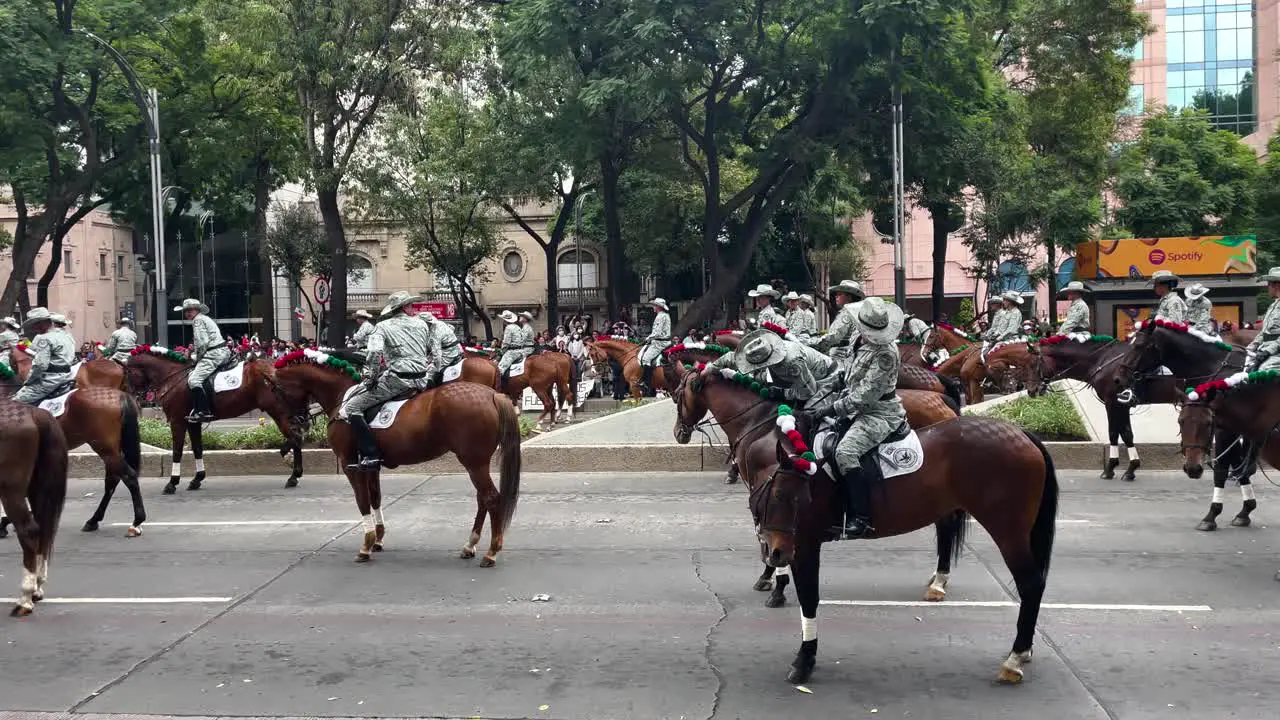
1232 420
106 419
467 419
1001 358
1015 498
627 355
166 372
101 372
543 372
33 488
924 409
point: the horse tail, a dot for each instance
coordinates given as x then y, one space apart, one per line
130 435
48 488
951 388
509 466
1043 529
952 531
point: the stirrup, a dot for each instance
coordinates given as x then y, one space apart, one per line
856 528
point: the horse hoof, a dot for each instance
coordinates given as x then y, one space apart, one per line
363 557
1207 526
377 547
90 526
1241 521
171 488
487 562
801 670
763 585
467 553
933 594
776 601
133 532
291 482
193 485
20 611
1009 676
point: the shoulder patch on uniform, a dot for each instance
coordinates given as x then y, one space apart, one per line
885 362
41 341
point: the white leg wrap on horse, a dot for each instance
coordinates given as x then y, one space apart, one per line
176 470
939 581
377 516
29 581
199 465
808 628
1132 451
1113 452
1219 494
1246 492
782 572
368 523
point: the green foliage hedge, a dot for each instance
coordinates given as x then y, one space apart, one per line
1052 417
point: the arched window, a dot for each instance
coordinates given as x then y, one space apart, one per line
359 274
567 269
1013 276
1065 271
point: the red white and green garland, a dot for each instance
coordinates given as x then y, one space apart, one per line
318 357
755 386
160 351
804 459
6 372
623 338
1182 328
708 347
954 329
1076 337
1007 343
782 332
1257 377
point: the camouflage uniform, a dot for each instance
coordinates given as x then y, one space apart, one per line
360 339
445 346
516 346
804 374
120 344
659 339
1200 314
869 395
769 314
406 345
1264 351
8 341
1077 319
1006 325
208 348
802 323
841 335
53 354
1172 308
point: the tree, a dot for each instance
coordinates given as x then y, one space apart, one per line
296 245
426 174
1267 223
1183 177
351 60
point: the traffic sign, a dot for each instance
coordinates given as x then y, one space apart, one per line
322 291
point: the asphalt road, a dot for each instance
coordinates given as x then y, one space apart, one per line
249 604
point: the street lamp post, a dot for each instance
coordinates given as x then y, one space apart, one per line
149 103
577 244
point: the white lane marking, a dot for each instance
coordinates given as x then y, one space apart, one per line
135 601
1011 604
215 523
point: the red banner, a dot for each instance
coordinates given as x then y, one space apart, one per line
442 310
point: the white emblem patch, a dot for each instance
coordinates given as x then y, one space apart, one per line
230 380
516 369
451 373
898 458
386 416
56 406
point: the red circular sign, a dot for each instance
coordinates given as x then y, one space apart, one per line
1156 256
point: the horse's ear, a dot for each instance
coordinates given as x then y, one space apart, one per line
784 460
1179 398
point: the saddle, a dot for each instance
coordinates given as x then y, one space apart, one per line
62 389
224 366
872 472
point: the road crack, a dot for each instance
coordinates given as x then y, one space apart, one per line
708 641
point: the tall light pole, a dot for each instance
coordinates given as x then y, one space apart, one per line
899 205
149 103
577 245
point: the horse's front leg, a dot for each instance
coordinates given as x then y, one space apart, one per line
178 437
292 443
197 450
805 569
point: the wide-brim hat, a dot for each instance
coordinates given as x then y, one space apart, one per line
58 319
849 287
760 349
399 299
879 322
191 303
1074 286
37 314
11 322
1196 291
526 315
1013 296
790 296
806 298
660 303
1273 275
1164 276
125 321
364 314
507 316
763 291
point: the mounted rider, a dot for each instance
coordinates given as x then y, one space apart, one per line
842 334
800 322
444 344
364 328
659 339
1200 309
869 397
63 325
806 318
121 342
1264 352
9 329
209 350
52 354
762 299
1077 319
1171 307
1006 324
402 343
517 343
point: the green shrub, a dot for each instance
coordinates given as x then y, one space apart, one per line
1053 416
964 315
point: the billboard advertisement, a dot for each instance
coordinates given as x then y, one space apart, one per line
1127 316
1187 256
442 310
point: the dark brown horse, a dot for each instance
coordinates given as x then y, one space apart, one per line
165 372
1191 357
1015 498
470 420
1231 420
100 372
33 488
105 419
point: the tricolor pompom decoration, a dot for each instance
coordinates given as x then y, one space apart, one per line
159 350
6 372
697 367
954 329
781 331
1076 337
804 459
1257 377
1161 322
720 349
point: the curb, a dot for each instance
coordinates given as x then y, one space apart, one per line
561 458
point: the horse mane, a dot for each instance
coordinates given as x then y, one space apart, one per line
159 351
1209 388
952 328
311 356
1182 328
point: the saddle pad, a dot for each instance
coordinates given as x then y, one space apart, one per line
898 458
453 372
56 406
386 416
516 369
229 379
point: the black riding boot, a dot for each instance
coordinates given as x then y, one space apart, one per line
200 412
857 522
366 447
646 377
